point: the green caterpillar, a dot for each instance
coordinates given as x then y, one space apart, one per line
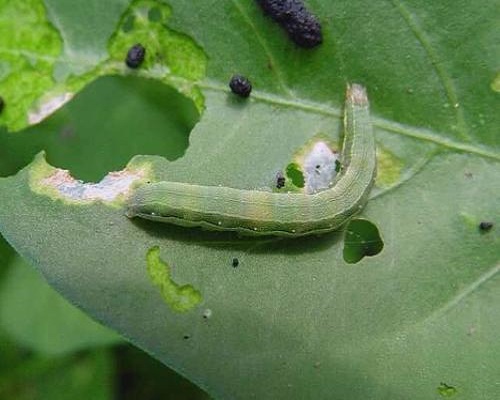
266 213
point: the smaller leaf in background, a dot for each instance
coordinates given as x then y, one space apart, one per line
140 376
37 317
30 47
6 254
76 377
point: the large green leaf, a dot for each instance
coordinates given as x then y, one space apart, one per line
293 319
39 319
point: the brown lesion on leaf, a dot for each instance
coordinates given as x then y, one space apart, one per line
113 189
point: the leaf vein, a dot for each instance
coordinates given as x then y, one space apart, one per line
439 139
441 72
466 292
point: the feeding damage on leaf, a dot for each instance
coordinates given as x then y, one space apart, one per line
179 298
30 49
389 168
47 106
60 185
320 167
315 165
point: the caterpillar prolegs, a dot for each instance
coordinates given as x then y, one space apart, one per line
266 213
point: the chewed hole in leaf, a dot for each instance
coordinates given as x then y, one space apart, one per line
128 23
294 173
362 239
155 14
104 126
338 166
59 184
169 53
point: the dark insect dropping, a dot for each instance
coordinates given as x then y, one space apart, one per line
236 262
2 104
135 56
240 85
280 180
485 226
302 26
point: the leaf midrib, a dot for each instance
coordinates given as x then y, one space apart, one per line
426 135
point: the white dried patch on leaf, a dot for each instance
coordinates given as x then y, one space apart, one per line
159 71
319 168
112 186
47 107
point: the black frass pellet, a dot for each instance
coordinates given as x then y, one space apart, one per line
240 85
135 56
302 26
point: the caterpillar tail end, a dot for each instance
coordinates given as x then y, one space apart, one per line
356 94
